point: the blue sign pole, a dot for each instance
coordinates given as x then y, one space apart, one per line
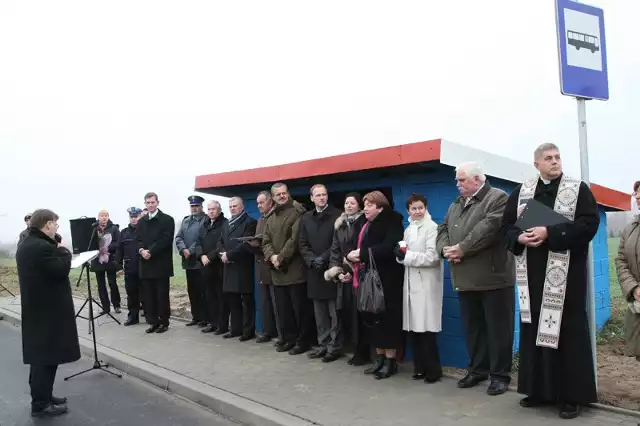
582 61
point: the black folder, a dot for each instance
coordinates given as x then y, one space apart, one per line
537 214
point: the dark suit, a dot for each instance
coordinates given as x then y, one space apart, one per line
239 279
156 235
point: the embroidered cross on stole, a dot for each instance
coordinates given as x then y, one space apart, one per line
555 283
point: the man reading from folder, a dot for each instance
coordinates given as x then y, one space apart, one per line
49 332
556 365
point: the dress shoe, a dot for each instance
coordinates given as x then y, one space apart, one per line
497 387
569 411
418 376
377 365
285 347
50 410
331 357
278 342
317 353
151 329
209 329
131 321
246 337
202 324
470 380
191 323
220 332
55 400
162 329
264 338
230 335
297 350
117 310
389 368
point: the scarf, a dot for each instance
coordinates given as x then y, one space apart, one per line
236 218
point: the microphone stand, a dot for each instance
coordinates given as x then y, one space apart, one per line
97 364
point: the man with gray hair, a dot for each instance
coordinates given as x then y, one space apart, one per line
238 278
482 272
556 365
208 253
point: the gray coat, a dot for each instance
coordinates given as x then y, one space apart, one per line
486 264
187 237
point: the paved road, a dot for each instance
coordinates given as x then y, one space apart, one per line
95 398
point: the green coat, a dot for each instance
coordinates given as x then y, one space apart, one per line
280 237
486 264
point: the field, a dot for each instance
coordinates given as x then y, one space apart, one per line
618 374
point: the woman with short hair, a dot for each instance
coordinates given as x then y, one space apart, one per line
374 242
422 291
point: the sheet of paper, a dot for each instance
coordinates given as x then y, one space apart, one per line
79 259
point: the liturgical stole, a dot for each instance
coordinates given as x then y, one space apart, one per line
555 284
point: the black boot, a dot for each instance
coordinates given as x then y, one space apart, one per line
378 362
389 368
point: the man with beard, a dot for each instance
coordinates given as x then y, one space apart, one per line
186 240
207 251
238 276
155 238
556 363
127 257
49 333
316 236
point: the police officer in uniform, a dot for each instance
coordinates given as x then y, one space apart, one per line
127 257
186 240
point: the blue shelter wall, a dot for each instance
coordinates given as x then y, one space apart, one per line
440 190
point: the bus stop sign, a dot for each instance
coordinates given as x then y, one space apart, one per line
582 53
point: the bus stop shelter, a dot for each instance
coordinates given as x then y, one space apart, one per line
397 171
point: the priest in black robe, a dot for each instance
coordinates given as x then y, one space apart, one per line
564 376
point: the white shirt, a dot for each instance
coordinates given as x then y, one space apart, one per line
152 215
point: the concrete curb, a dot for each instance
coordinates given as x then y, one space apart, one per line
232 406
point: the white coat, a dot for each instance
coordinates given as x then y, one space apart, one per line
423 278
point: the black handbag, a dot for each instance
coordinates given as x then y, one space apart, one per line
370 290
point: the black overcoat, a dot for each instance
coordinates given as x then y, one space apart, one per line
384 330
238 275
316 236
156 235
49 332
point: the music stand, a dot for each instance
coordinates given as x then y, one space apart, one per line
83 260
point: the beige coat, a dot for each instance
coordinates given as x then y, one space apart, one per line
628 271
423 276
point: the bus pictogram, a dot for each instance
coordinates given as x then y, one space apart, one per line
582 40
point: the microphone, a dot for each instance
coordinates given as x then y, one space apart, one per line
94 224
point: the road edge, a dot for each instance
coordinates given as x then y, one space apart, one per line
224 403
235 407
